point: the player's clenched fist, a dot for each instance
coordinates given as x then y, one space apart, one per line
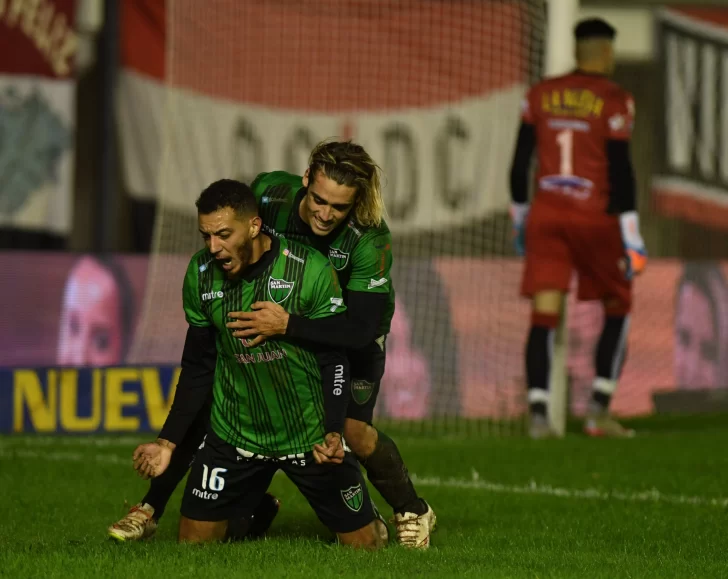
331 451
152 459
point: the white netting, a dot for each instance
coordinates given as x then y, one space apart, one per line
432 89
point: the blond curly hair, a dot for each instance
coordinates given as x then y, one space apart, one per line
350 165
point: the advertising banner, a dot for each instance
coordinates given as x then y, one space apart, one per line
455 348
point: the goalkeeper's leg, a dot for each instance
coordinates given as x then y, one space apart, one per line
546 310
609 360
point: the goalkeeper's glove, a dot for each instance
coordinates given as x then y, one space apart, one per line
519 213
635 259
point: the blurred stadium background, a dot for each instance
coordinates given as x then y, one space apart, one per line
114 114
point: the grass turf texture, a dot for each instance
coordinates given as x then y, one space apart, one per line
653 506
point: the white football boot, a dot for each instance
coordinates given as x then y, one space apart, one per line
413 531
603 425
138 524
539 428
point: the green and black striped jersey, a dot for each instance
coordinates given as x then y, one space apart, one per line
267 399
362 256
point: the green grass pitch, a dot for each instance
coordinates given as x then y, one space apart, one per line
654 506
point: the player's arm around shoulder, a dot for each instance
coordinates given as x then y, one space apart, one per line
369 293
323 299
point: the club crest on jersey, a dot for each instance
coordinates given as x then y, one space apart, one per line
279 289
338 258
361 391
353 497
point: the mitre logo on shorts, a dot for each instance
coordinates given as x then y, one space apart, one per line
338 258
211 296
361 391
353 497
279 289
205 495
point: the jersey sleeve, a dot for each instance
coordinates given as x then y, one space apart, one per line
371 263
619 115
191 296
322 290
259 186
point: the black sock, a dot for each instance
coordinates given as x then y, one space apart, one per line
609 358
538 367
162 487
387 472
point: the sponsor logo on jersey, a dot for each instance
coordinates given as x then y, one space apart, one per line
270 230
353 228
261 357
336 303
289 255
353 497
211 296
246 454
338 258
279 289
569 185
361 391
572 102
338 380
377 282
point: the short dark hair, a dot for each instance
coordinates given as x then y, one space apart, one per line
227 193
594 28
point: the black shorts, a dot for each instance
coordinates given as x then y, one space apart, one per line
225 485
367 368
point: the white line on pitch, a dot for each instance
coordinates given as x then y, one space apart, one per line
83 441
63 456
652 495
473 484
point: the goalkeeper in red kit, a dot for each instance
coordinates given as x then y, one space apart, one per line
583 217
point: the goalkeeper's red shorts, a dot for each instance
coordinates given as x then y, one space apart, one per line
560 242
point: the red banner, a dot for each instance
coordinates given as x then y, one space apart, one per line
38 38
